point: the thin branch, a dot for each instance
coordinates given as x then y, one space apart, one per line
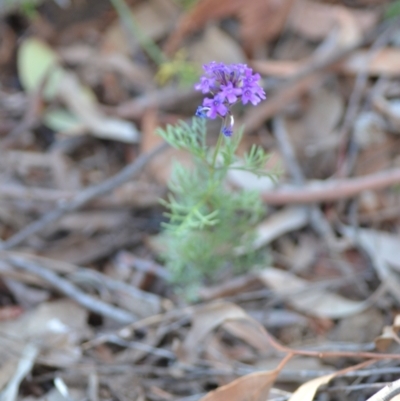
333 190
73 292
84 197
316 217
387 393
328 354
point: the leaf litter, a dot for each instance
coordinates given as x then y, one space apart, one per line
86 306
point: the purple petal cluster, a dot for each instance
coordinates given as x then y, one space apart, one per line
228 84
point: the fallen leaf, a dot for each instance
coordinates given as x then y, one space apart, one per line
207 318
248 332
384 251
307 391
313 135
58 326
86 110
252 387
282 222
386 339
315 302
37 62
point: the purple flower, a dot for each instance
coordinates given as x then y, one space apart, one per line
228 84
216 106
230 93
205 84
249 95
201 112
227 131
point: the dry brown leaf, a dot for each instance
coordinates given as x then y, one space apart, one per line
384 251
315 302
252 387
313 135
57 326
248 332
388 336
261 20
282 222
306 392
207 318
385 340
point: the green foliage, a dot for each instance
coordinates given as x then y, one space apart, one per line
179 69
26 7
392 10
208 222
186 4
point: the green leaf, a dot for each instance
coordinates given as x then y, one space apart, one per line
61 120
36 62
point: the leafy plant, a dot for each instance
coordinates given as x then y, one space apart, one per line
207 221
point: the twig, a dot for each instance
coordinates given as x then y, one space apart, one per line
333 190
84 197
329 354
13 191
162 99
148 349
387 393
317 219
70 290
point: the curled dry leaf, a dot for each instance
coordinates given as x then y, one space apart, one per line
388 336
384 251
207 318
386 339
316 302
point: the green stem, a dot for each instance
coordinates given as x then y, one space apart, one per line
125 15
216 151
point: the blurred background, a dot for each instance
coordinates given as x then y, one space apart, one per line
87 311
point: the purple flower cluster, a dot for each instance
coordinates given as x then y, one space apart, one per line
228 84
